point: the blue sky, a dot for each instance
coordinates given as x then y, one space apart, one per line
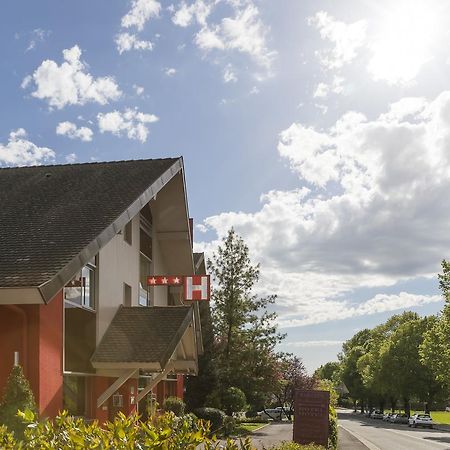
320 130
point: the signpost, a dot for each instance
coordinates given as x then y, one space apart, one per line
311 409
195 288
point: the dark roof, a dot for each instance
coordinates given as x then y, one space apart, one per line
143 335
49 214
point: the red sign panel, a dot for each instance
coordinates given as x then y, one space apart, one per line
165 280
311 411
197 287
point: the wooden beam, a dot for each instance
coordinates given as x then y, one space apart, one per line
116 385
154 381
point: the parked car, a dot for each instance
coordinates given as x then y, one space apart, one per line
272 413
399 418
447 409
420 420
387 416
377 414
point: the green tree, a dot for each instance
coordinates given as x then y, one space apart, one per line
328 371
234 400
435 348
17 396
245 330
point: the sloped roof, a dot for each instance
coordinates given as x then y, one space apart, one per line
143 335
53 219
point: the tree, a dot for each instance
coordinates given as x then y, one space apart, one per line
234 400
16 396
292 375
435 348
328 371
245 330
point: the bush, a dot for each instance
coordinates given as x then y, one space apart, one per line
124 433
17 395
229 425
214 415
332 429
294 446
233 400
256 419
174 404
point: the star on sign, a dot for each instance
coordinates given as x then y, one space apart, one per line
164 280
176 280
152 280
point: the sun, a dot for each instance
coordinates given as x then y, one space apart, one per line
405 40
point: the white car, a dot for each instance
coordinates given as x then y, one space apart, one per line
377 414
272 413
420 420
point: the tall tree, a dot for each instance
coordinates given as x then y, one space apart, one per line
245 330
435 349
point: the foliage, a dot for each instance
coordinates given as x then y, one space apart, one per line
233 400
291 375
229 425
327 385
215 416
328 371
294 446
435 348
166 432
332 429
174 404
17 395
246 333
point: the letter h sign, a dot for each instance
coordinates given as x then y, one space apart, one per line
197 287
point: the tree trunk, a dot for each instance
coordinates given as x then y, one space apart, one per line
407 406
393 404
355 408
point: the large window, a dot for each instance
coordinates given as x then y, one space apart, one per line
74 395
81 289
146 249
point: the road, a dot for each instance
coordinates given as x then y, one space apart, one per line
379 435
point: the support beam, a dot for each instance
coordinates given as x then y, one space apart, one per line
172 235
116 385
154 381
183 350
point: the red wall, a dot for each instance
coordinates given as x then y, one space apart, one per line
36 331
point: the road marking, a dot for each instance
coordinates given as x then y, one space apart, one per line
424 441
364 441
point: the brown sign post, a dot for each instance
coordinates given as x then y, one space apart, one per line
311 417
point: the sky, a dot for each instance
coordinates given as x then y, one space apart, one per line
319 130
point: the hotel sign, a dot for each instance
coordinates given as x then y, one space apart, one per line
195 288
311 409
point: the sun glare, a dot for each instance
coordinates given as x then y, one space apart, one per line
404 41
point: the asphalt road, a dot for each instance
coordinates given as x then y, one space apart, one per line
272 434
379 435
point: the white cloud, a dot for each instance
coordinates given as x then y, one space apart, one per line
170 71
138 89
323 89
306 344
245 32
69 83
199 11
70 130
346 39
229 75
372 210
19 151
71 158
37 35
130 123
126 42
141 11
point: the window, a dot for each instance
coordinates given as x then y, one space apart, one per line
128 233
126 294
81 289
146 249
74 395
144 290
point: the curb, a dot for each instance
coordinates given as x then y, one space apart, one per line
363 441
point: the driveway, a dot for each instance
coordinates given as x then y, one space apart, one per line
272 434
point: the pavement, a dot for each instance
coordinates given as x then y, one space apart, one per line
356 430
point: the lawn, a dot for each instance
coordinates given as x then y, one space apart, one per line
441 417
247 428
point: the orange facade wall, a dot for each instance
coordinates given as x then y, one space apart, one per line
36 332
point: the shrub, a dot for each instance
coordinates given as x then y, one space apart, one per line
17 395
166 432
229 425
174 404
233 400
215 416
294 446
332 429
256 419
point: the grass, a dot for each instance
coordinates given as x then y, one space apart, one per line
441 417
247 428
